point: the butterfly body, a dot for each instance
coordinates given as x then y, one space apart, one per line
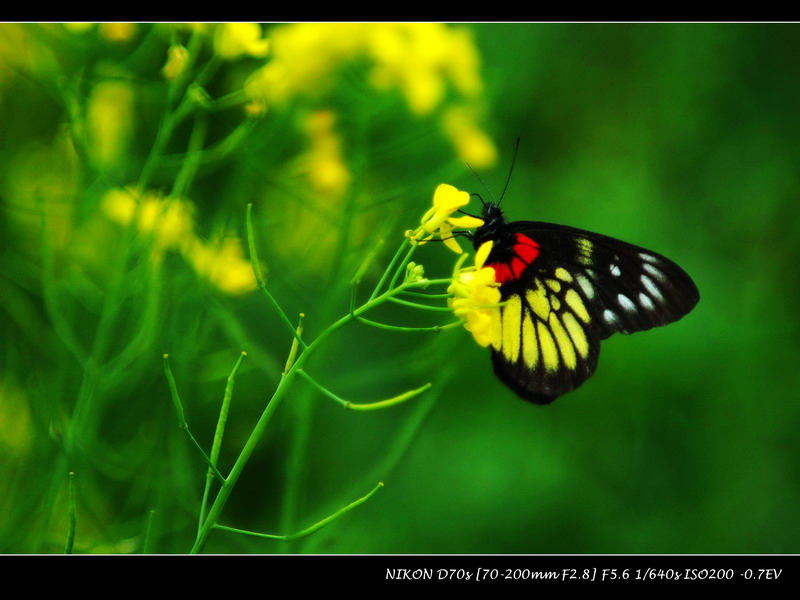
562 291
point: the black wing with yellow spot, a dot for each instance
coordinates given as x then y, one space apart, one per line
565 289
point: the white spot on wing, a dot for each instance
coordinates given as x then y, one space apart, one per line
648 258
654 272
614 270
645 301
609 317
651 287
626 302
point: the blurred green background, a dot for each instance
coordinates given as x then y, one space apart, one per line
682 138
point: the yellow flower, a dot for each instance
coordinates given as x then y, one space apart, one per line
223 264
473 146
327 170
420 60
234 40
439 220
168 220
79 28
118 32
110 121
177 59
476 298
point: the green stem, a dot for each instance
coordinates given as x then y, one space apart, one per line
184 426
295 342
366 405
388 270
163 136
420 306
430 296
309 530
194 156
73 520
256 264
278 396
148 533
218 435
402 266
386 326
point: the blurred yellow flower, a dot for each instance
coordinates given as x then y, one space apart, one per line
169 223
79 28
420 59
110 121
16 433
327 170
423 61
439 220
118 32
223 264
476 298
473 145
234 40
177 59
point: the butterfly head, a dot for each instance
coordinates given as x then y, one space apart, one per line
494 222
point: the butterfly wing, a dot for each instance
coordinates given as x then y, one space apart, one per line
575 289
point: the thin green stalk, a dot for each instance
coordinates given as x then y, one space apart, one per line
425 295
148 323
273 404
50 296
227 145
308 530
73 519
402 267
165 130
229 100
387 327
365 406
293 350
182 424
388 270
194 156
251 243
356 279
368 260
148 533
420 306
218 435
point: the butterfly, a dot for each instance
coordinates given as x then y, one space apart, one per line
563 290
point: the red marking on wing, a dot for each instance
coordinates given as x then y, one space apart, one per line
525 252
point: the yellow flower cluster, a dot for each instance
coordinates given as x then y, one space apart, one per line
170 225
421 60
222 262
476 298
169 221
234 40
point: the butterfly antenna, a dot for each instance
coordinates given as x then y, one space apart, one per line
511 170
474 172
